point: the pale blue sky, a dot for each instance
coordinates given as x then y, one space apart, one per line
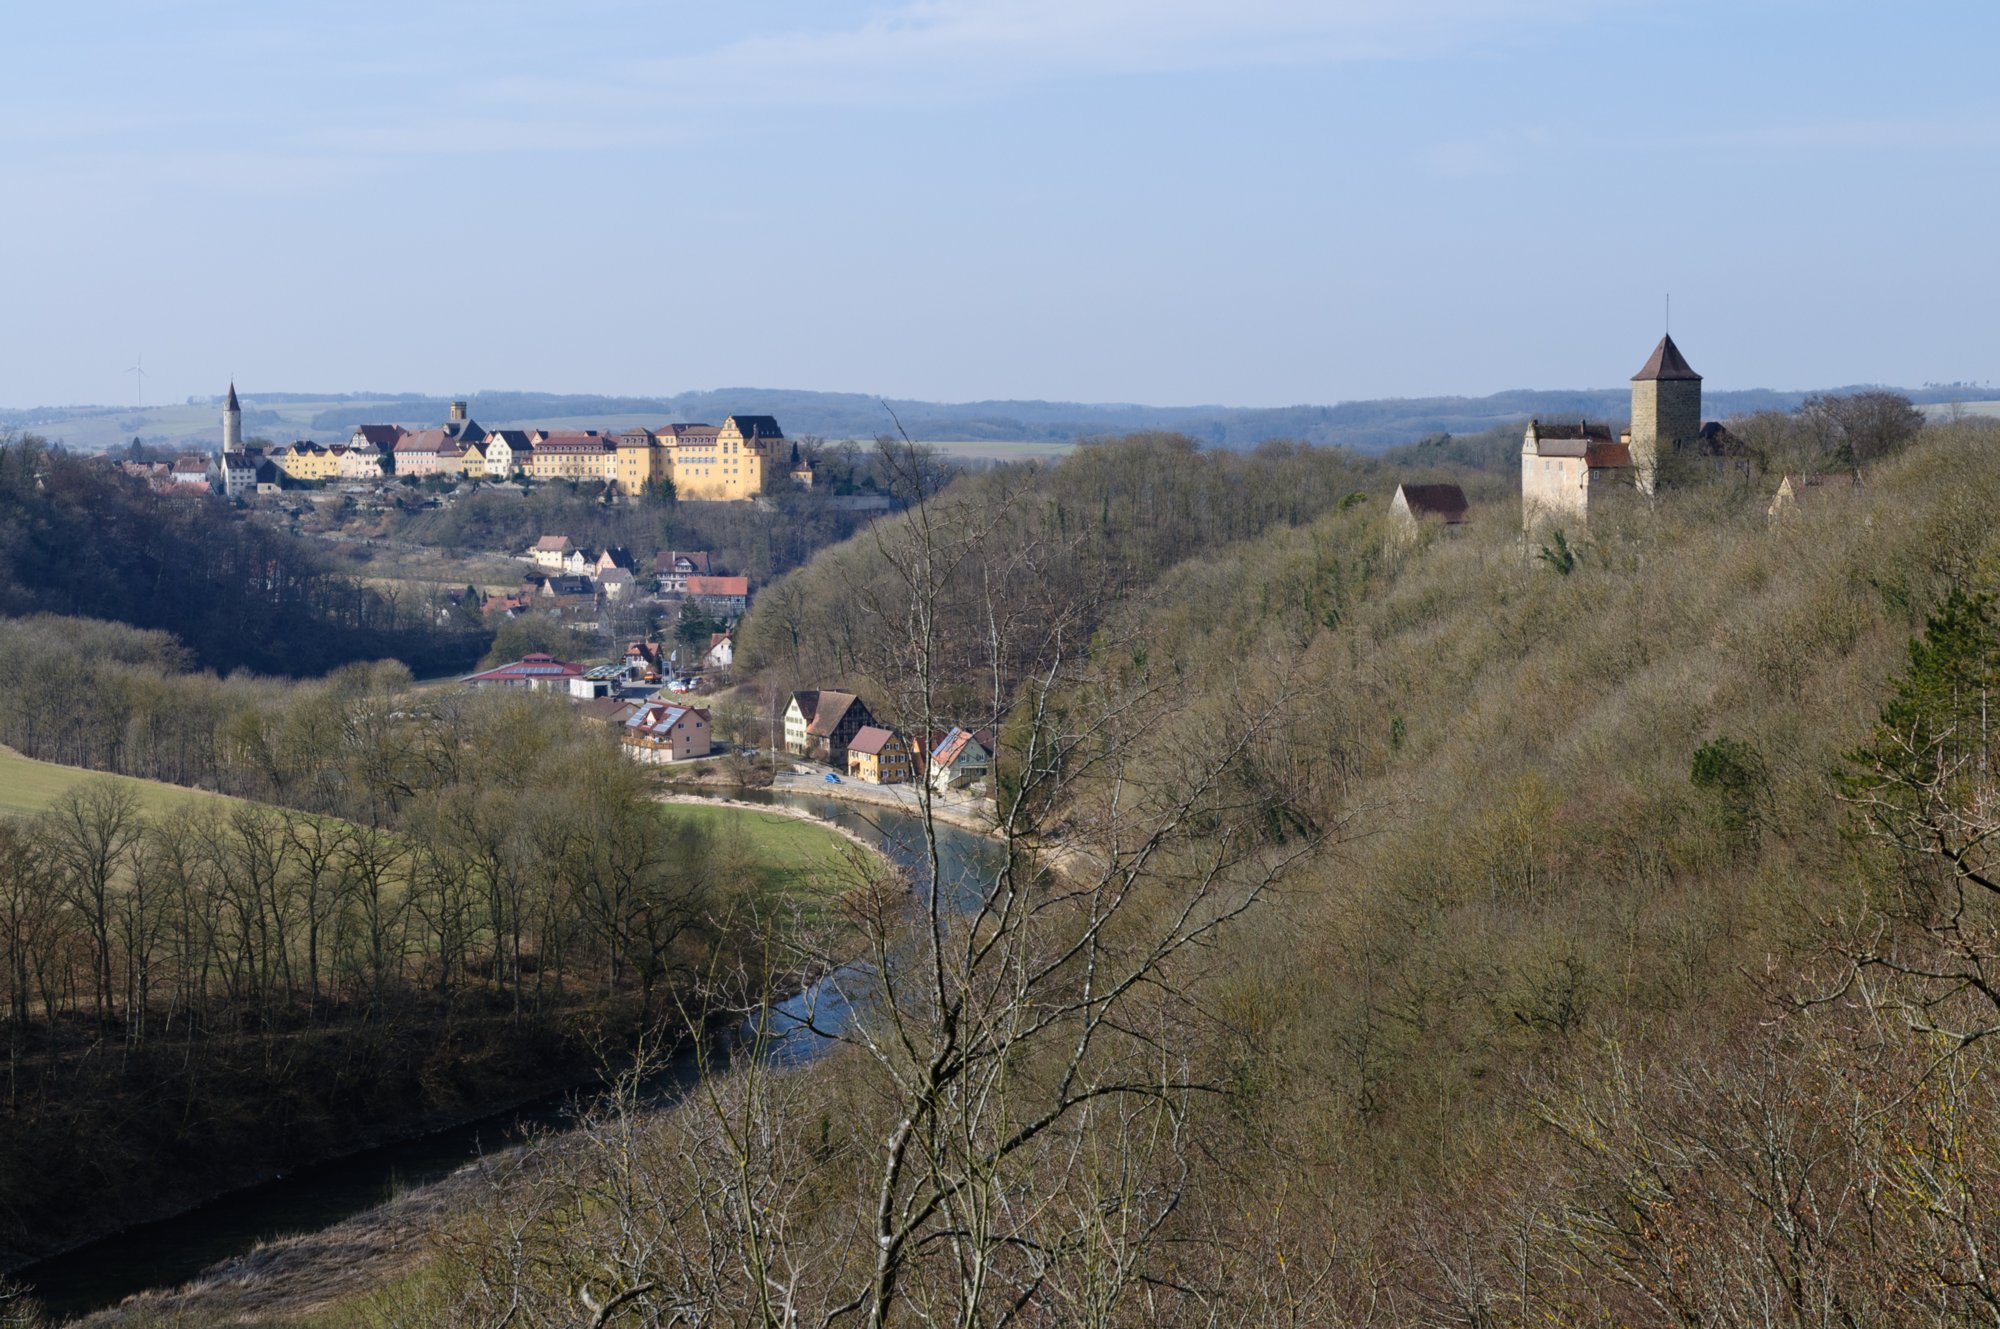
1249 202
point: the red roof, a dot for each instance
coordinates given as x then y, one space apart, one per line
1607 456
719 586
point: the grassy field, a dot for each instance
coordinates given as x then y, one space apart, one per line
27 786
800 860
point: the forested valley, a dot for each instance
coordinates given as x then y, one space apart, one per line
79 538
1401 928
397 906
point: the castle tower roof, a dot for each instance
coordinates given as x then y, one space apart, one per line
231 405
1667 364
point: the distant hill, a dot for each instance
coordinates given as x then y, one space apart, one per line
1368 426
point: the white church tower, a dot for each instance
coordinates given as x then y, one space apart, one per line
232 423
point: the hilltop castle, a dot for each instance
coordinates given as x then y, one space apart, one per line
1565 467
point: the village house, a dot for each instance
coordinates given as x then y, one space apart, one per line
720 595
361 462
820 724
675 566
615 583
568 585
537 673
192 468
876 756
422 453
239 473
721 653
506 451
643 657
378 439
962 758
1414 504
551 552
660 732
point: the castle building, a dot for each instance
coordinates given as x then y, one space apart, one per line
730 463
1565 469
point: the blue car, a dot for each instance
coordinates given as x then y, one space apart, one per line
831 778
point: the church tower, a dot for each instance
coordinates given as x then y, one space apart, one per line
232 423
1666 410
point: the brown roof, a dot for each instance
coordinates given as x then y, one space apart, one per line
612 710
1446 501
1666 364
1607 456
553 542
424 440
697 560
833 708
382 436
808 700
718 586
869 740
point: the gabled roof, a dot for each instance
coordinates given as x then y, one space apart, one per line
719 586
382 436
554 543
956 742
869 740
1666 364
697 560
1446 502
424 440
756 426
807 700
833 708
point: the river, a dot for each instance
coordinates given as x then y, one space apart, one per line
170 1252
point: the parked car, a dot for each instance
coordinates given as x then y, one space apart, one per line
831 778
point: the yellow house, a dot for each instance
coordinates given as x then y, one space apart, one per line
472 462
306 461
877 756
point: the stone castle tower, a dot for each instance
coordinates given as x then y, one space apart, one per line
232 423
1666 410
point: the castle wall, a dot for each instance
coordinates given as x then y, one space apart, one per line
1554 490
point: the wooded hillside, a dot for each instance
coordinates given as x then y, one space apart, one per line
1453 936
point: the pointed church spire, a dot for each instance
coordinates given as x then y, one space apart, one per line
1666 364
231 405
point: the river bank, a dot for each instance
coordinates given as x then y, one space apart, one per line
283 1271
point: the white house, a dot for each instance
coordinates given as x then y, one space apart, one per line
721 653
961 758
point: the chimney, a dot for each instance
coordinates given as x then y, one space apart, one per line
458 412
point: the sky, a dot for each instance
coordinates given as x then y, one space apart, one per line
1175 202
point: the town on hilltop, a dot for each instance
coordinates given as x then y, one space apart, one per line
739 460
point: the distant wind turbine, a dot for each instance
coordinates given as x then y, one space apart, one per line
140 370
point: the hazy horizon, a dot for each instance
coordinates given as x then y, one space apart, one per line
1174 203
